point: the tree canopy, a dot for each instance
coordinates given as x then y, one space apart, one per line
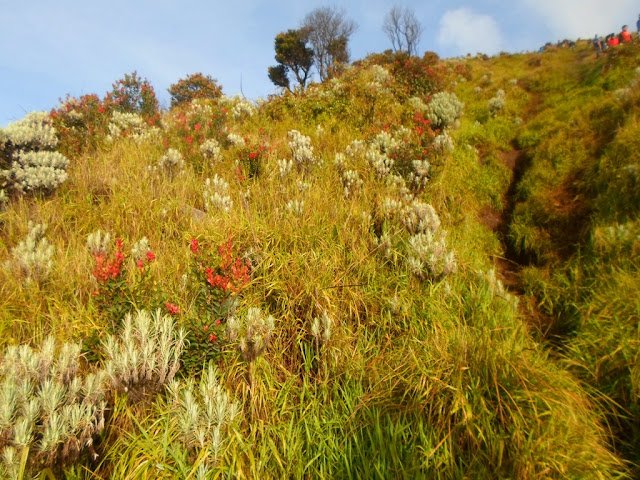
194 86
293 57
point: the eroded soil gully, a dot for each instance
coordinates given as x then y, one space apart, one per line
509 266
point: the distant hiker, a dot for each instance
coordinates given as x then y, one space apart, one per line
597 44
638 25
612 40
625 36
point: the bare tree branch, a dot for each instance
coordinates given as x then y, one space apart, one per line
328 33
403 29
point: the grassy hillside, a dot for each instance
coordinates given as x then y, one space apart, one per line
375 278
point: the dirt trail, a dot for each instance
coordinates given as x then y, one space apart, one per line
509 266
498 220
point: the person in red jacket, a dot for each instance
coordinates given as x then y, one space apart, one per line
625 36
612 40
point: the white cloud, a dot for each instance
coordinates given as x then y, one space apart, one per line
464 31
584 18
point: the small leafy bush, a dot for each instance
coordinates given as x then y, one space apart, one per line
215 281
81 123
120 291
133 94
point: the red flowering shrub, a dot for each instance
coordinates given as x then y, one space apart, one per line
120 291
215 281
416 76
134 94
194 86
81 123
251 158
190 125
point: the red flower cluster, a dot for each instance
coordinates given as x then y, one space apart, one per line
172 308
107 269
150 257
194 245
230 275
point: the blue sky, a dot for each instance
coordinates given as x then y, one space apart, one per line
54 48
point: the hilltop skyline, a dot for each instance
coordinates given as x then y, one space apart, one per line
79 48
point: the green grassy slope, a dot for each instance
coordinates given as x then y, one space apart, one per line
431 372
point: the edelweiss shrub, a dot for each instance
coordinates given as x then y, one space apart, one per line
216 195
144 355
131 125
384 245
172 161
140 251
443 143
355 148
284 167
25 149
240 107
210 149
236 140
380 162
204 413
303 187
386 143
617 239
321 329
252 333
33 256
444 109
419 217
429 257
295 207
419 177
497 288
41 170
416 104
49 415
391 207
497 103
351 182
379 74
34 130
301 150
99 243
